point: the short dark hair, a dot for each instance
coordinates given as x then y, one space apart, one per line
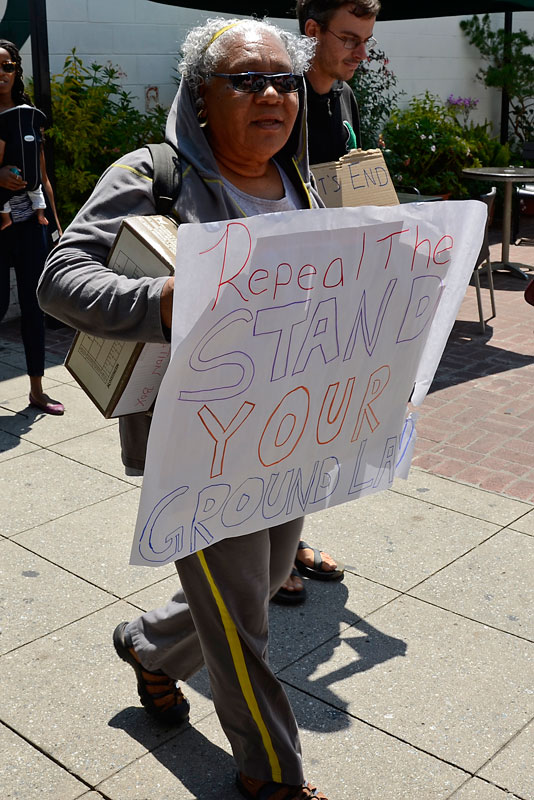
323 10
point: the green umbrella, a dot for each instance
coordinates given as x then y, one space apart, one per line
391 9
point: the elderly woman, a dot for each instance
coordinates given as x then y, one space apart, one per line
238 122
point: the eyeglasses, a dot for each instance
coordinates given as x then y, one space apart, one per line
352 42
254 82
8 66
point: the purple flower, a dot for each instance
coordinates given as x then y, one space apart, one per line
467 103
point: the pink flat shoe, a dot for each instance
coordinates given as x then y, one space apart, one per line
49 407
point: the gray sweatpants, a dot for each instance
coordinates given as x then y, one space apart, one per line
220 617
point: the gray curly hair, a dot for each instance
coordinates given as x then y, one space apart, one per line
203 50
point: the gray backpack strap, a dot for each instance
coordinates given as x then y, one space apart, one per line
167 176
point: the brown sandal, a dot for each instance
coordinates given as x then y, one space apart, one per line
269 790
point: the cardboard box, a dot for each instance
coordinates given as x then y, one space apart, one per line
359 178
124 377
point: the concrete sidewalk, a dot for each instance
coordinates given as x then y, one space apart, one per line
411 680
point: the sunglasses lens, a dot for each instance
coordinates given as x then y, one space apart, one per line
287 83
251 84
8 66
245 83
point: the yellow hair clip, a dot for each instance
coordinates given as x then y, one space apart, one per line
223 30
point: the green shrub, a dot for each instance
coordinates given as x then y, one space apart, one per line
94 122
375 87
428 146
509 66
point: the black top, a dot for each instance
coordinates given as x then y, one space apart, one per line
327 136
20 129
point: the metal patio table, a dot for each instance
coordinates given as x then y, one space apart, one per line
508 176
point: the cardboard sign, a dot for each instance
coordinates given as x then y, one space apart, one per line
360 178
297 340
124 377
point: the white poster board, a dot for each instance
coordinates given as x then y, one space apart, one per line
297 340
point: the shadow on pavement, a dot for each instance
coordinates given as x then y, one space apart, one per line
468 355
371 647
202 767
17 425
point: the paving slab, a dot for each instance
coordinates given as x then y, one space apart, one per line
87 699
91 796
525 524
11 445
17 388
329 609
513 767
164 585
347 760
461 497
99 449
58 372
80 417
95 543
197 763
31 605
459 690
492 584
394 539
14 383
475 789
42 486
27 774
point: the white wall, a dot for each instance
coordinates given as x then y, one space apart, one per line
144 39
435 54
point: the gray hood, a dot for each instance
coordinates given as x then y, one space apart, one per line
200 168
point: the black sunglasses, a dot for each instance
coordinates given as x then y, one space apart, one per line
253 82
8 66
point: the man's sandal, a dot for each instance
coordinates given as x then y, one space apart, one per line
316 572
158 693
269 790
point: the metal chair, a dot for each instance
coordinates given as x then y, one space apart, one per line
399 187
522 192
484 262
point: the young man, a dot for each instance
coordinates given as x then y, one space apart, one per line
344 33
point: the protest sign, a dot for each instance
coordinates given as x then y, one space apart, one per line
359 178
297 340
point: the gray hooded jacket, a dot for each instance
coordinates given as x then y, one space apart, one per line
78 288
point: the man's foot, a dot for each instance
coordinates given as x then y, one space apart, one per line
314 563
159 694
268 790
292 592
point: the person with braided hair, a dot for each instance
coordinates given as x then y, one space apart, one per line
23 240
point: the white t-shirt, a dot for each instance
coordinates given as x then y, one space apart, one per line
251 205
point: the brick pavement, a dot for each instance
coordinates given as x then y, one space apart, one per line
477 423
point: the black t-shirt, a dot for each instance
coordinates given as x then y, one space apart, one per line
327 136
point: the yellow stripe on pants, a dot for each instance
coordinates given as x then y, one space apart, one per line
241 671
